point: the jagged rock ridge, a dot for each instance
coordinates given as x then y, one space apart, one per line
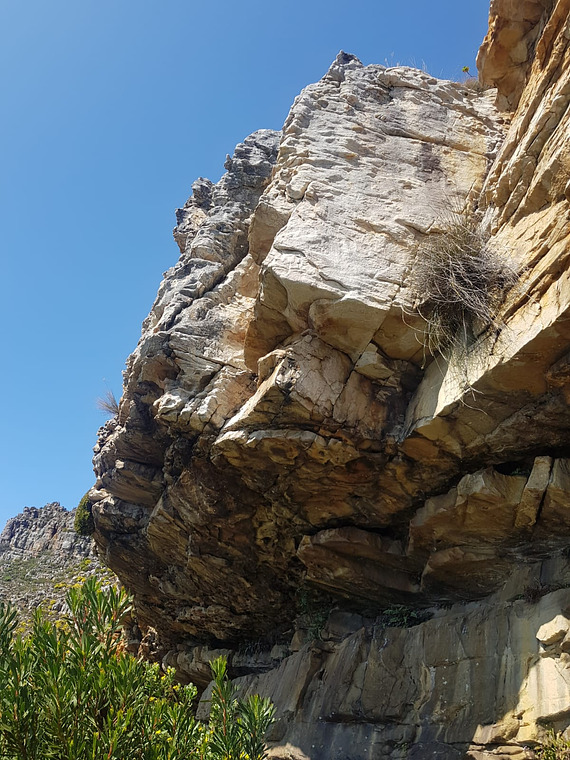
49 529
41 555
281 423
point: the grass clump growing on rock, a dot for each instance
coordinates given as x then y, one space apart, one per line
556 747
71 692
313 610
459 283
108 404
400 616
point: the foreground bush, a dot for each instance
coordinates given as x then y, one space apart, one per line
69 691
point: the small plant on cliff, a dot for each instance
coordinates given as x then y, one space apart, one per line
108 404
459 283
313 610
400 616
556 747
71 692
83 522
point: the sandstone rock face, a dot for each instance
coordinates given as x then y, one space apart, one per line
473 682
283 428
270 386
507 52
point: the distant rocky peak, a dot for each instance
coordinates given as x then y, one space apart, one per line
46 529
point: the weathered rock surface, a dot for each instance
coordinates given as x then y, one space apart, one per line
477 681
273 400
507 52
283 426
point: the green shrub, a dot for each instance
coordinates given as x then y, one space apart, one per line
556 747
237 728
400 616
71 692
313 610
84 524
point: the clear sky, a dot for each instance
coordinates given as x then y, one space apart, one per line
110 110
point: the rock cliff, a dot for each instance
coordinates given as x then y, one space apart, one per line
290 457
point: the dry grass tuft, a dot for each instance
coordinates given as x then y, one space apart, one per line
473 84
108 404
459 284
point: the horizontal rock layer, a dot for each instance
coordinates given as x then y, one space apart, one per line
476 682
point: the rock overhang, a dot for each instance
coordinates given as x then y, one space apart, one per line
277 394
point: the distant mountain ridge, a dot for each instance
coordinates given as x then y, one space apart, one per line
47 529
41 557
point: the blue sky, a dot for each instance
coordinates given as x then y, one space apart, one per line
110 110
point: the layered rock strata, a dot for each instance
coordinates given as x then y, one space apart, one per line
283 426
267 404
477 681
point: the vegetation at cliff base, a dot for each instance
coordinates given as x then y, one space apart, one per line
555 747
70 691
